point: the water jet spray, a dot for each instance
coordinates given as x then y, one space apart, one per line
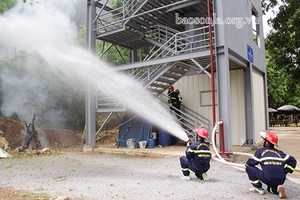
48 32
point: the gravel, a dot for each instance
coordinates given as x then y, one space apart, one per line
94 175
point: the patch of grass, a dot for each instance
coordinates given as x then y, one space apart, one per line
33 153
8 166
32 195
61 178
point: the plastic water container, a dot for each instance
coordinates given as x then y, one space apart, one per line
154 137
142 144
165 138
130 143
151 143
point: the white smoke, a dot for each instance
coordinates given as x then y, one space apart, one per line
27 28
46 29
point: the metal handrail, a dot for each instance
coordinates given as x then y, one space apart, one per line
125 18
178 40
191 120
185 41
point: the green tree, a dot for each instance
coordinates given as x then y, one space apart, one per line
283 42
269 4
277 84
6 5
116 55
283 47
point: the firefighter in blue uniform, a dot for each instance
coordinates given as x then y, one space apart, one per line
274 163
197 157
175 102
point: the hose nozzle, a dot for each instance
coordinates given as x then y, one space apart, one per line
189 142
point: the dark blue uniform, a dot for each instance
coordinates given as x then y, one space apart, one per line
275 165
197 159
175 103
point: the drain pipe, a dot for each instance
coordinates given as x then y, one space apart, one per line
223 140
212 69
239 166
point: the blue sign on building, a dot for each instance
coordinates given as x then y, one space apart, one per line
250 54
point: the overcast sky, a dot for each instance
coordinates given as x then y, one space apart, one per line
267 28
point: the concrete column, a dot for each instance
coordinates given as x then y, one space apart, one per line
266 101
224 96
249 105
90 98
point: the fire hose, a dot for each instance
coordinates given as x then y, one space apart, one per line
238 166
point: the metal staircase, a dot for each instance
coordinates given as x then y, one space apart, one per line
139 24
127 24
168 42
190 119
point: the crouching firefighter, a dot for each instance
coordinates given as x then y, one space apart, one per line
274 163
197 157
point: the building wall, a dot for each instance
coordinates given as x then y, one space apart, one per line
232 40
237 36
196 93
259 105
238 121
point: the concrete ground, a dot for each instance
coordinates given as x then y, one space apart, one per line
137 174
289 140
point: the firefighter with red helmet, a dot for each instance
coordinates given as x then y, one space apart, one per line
274 163
171 89
174 101
197 157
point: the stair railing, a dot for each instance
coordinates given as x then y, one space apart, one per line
182 42
117 18
178 43
191 120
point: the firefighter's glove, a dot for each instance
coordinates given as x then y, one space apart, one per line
248 163
288 170
188 143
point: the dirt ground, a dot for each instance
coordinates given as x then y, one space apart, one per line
58 140
289 140
66 140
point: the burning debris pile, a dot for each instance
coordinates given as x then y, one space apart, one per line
26 138
31 140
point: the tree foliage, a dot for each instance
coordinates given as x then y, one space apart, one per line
6 5
269 4
283 47
277 84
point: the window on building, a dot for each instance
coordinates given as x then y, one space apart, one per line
256 27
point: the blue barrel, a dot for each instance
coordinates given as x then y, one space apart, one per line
165 138
151 143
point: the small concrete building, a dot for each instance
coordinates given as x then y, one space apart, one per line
211 50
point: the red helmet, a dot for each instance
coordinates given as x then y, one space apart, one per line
202 132
270 137
171 88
